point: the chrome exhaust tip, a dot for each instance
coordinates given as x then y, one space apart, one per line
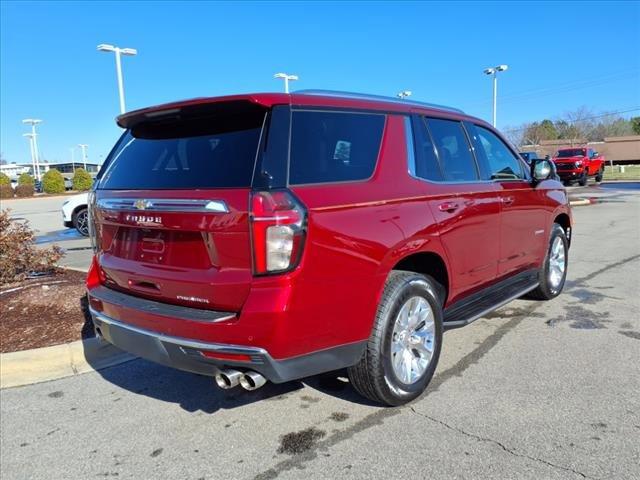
252 381
227 379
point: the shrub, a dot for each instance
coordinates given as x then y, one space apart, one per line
25 179
6 191
4 179
19 256
25 190
53 182
82 180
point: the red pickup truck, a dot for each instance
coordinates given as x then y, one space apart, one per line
578 164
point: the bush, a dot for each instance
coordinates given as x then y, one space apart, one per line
4 179
25 179
25 190
18 255
82 180
6 191
53 182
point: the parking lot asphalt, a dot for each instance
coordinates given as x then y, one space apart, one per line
538 390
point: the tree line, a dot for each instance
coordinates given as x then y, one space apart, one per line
577 126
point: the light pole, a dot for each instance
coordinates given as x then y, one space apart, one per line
103 47
33 158
34 145
83 147
404 94
73 158
494 71
286 79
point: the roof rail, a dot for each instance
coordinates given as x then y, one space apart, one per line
382 98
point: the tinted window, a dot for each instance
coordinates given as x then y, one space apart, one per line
453 150
570 152
503 164
198 153
426 166
333 146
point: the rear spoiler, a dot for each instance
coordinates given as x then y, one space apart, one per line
201 107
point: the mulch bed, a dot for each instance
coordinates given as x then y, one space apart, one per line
44 311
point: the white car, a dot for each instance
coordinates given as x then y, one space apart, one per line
75 215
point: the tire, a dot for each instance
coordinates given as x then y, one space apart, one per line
600 175
551 279
377 376
81 222
583 179
567 183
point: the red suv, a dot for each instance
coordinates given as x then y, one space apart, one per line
274 237
578 164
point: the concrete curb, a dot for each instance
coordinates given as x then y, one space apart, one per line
60 361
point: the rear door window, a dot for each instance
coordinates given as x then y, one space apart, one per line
426 163
333 146
218 152
454 152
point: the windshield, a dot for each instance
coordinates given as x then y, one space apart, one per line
571 152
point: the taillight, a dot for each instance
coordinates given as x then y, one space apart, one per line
93 231
278 228
94 276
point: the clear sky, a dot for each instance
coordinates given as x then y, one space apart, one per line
561 56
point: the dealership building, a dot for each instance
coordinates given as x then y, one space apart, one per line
13 170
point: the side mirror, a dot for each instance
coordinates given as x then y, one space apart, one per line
541 170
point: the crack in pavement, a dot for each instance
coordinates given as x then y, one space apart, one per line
378 417
592 275
508 450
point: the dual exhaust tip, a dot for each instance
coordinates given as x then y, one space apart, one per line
227 379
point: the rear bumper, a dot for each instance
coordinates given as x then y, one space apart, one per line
189 354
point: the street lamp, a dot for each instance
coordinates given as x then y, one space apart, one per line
84 147
103 47
404 94
73 158
34 145
494 71
286 79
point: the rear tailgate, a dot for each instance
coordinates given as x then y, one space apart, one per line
170 212
175 250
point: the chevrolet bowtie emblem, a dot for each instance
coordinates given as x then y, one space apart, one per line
142 204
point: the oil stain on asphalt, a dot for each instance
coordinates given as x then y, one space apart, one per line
630 334
581 318
298 442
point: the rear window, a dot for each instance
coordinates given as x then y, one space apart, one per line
333 146
204 152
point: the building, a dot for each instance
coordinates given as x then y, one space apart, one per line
66 168
617 150
13 170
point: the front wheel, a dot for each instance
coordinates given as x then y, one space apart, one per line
403 350
584 178
600 175
81 222
554 269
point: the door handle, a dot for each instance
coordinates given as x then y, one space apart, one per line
507 200
448 207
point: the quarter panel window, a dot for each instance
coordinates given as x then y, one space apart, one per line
333 146
503 164
454 152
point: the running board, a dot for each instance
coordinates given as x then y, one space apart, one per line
477 305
